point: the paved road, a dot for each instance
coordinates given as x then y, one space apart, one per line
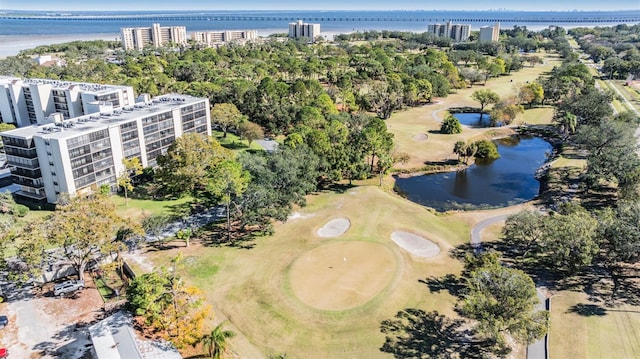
477 229
536 350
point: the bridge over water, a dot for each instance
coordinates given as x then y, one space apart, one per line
550 20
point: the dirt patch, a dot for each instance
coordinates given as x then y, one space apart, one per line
416 245
297 215
45 326
342 275
334 228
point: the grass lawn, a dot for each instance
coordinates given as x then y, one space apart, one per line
233 142
252 288
136 208
603 333
416 129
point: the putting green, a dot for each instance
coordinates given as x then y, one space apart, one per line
342 275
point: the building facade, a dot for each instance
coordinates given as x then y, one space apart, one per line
490 33
74 155
36 101
137 38
300 29
215 38
457 32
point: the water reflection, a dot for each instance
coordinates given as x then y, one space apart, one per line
505 181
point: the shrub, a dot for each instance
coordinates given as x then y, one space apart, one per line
486 150
450 125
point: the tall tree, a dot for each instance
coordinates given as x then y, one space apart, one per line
185 167
485 97
250 131
83 226
132 168
169 306
227 116
227 181
502 301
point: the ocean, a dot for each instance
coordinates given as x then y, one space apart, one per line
21 29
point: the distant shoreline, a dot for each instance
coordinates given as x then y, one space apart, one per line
11 45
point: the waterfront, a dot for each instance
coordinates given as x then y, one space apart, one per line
506 181
22 30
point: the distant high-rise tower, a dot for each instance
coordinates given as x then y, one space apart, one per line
490 33
300 29
457 32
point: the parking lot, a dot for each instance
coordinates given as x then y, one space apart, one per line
44 326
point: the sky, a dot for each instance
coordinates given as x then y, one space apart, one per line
114 5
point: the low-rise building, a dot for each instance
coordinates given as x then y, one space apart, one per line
72 156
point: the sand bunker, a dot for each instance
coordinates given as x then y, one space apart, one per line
420 137
334 228
414 244
342 275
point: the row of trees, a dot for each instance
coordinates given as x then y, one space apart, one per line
615 46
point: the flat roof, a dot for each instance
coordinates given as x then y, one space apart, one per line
64 85
89 123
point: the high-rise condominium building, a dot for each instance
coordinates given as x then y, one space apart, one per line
214 38
490 33
300 29
74 155
457 32
156 36
26 102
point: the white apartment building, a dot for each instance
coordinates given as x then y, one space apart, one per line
457 32
490 33
26 102
215 38
74 155
300 29
156 36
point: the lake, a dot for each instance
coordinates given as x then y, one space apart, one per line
503 182
473 119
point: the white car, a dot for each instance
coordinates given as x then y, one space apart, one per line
69 286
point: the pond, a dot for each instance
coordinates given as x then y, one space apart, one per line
473 119
506 181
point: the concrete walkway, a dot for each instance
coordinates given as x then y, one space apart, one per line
537 350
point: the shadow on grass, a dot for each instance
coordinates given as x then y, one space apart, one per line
587 310
414 333
451 283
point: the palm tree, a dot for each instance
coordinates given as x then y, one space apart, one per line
216 341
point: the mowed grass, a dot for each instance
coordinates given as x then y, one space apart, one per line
137 208
611 333
411 126
604 333
251 287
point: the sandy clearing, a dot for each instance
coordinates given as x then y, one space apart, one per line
414 244
297 215
334 228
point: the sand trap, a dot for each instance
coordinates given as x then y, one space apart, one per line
342 275
420 137
334 228
414 244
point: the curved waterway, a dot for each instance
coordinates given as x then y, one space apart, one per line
503 182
